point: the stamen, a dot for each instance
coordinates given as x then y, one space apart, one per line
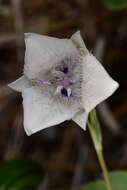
58 90
69 92
44 82
73 80
65 70
58 74
64 92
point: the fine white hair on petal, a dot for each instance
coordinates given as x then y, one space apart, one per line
78 41
20 84
43 52
42 110
97 85
81 119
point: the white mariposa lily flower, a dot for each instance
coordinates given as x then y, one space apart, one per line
62 80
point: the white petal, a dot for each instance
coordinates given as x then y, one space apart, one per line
81 119
97 84
41 110
43 52
20 84
78 41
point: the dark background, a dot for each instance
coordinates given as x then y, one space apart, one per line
66 151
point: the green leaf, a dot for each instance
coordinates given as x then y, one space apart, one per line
115 4
20 174
27 182
118 179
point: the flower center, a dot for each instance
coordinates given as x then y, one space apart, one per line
63 78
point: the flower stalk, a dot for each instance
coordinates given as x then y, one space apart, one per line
95 132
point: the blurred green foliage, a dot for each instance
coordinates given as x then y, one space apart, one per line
20 174
115 4
118 179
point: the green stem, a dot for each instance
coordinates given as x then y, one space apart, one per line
96 136
104 169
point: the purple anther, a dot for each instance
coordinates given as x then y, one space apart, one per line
65 70
64 92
